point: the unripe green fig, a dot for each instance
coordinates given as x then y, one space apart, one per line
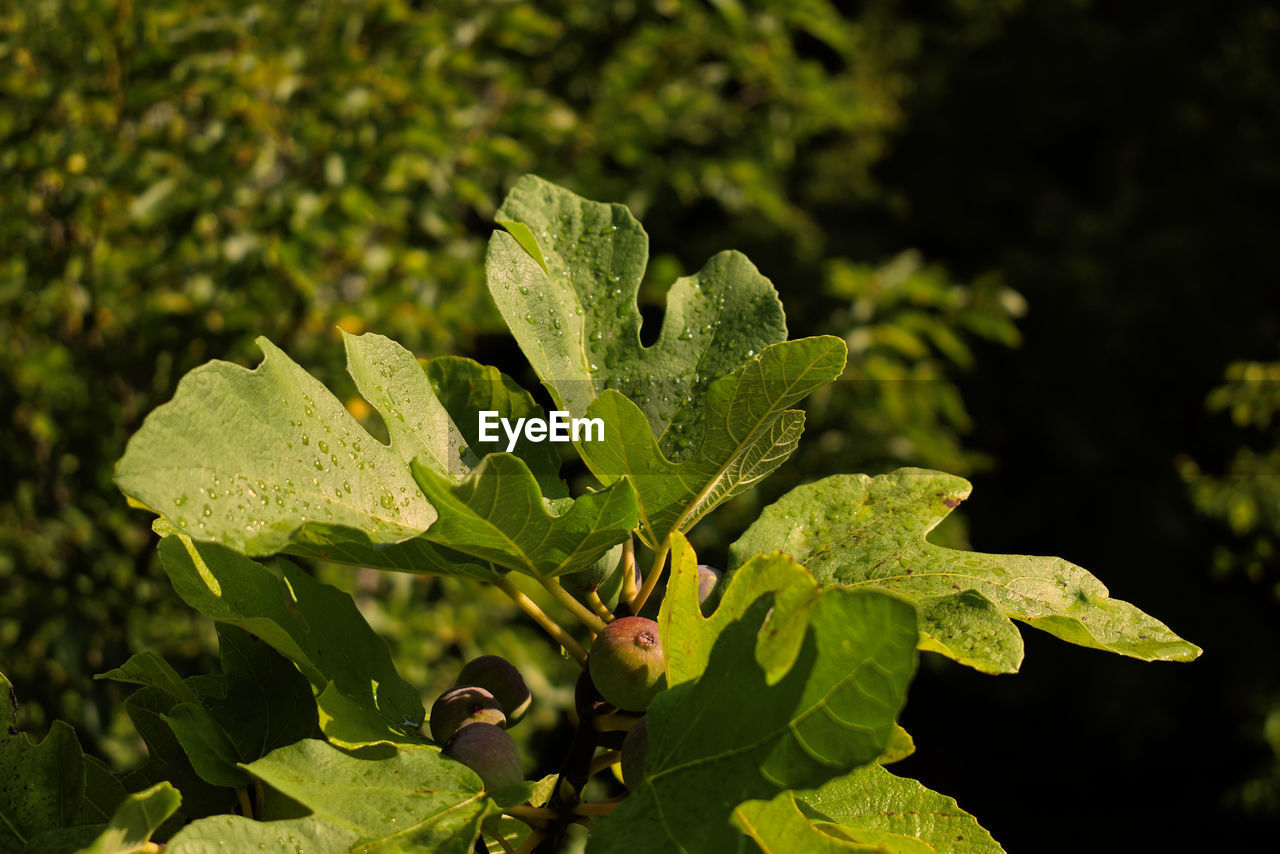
626 663
708 579
634 748
501 679
490 752
462 706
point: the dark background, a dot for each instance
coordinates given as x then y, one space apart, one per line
1115 165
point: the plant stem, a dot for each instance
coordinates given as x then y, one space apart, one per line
532 816
628 570
620 722
603 761
246 808
540 617
597 605
651 580
498 837
582 612
532 842
598 808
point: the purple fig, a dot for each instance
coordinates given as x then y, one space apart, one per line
460 707
501 679
488 750
626 663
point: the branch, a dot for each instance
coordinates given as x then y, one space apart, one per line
597 605
628 569
603 761
535 817
582 612
540 617
651 580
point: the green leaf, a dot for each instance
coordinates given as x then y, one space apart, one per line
103 792
268 702
747 433
405 800
316 626
872 800
736 734
40 784
267 460
135 820
149 669
498 514
870 532
207 745
779 826
565 278
466 388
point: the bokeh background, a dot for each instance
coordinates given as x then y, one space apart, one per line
1046 229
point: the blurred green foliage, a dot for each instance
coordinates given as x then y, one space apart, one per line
177 178
1246 496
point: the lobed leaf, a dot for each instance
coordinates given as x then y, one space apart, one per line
747 432
871 800
862 531
401 800
41 785
734 734
779 826
565 277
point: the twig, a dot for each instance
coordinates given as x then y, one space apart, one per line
603 761
599 807
531 843
651 580
501 840
582 612
628 569
620 722
540 617
532 816
597 605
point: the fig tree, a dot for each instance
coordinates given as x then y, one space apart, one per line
462 706
491 753
634 748
501 679
626 663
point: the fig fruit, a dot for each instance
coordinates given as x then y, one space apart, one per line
462 706
500 678
634 748
626 663
487 750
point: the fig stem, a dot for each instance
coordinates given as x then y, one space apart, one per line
599 807
531 843
540 617
502 842
597 605
628 570
651 580
603 761
532 816
582 612
620 722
